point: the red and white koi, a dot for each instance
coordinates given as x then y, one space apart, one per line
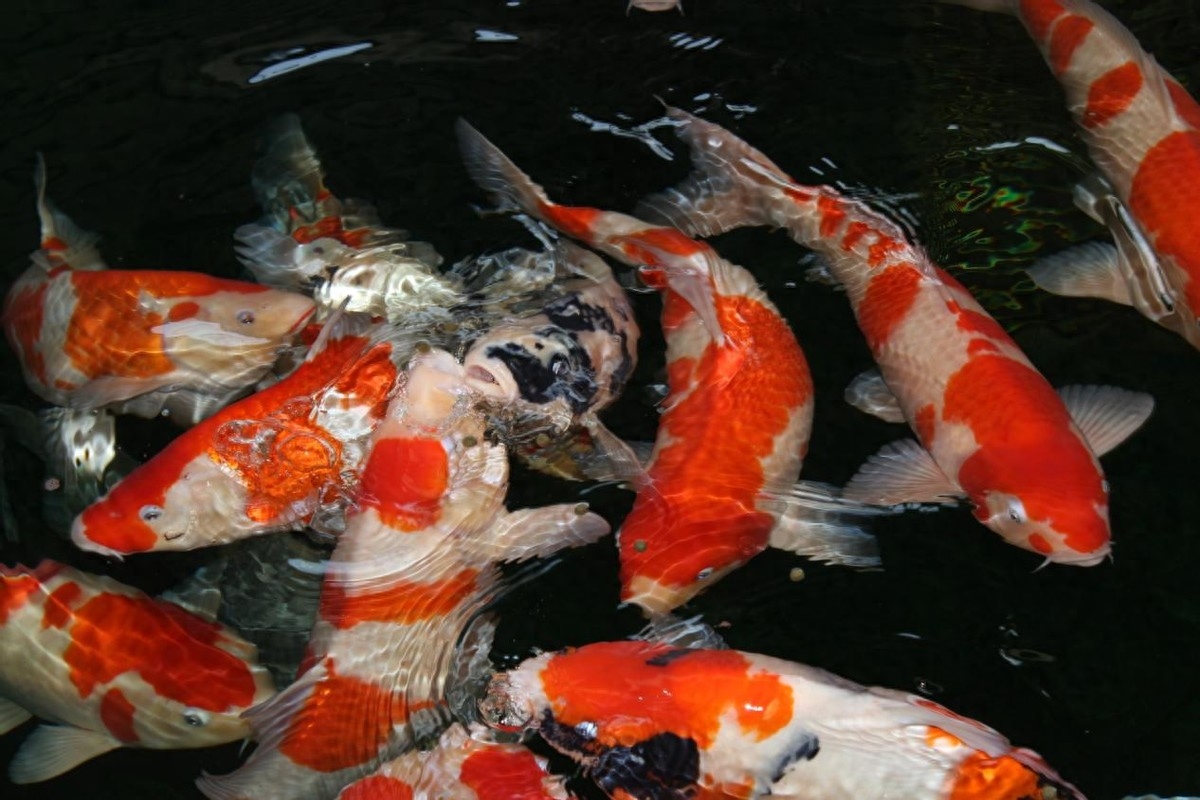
990 426
461 768
736 421
650 720
281 459
113 667
1142 130
418 559
140 340
338 251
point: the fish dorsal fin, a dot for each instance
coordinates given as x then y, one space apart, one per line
870 394
536 533
1088 270
618 460
695 286
52 750
691 633
11 715
902 472
1106 415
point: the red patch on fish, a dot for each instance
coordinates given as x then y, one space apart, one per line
1039 16
56 610
14 593
1185 105
832 215
116 712
1065 39
184 310
633 690
889 297
377 787
925 424
855 231
1111 94
502 773
1166 203
576 221
402 603
114 634
405 480
24 313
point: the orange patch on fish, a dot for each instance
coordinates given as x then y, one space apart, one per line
633 690
377 787
855 231
116 712
1111 94
1065 39
1040 544
405 480
343 723
402 603
1185 105
114 634
1166 203
925 424
1039 16
24 314
889 297
982 777
500 773
56 610
576 221
832 215
184 310
14 593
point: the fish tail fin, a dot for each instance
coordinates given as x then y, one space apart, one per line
816 522
73 245
288 179
724 190
506 185
999 6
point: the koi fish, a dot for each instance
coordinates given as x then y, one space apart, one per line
338 251
1142 130
139 341
417 561
990 426
737 417
461 768
651 720
281 459
112 667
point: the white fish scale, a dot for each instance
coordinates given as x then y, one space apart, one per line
59 304
781 467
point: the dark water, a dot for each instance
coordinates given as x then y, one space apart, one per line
148 112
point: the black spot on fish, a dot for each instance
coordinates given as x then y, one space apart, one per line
663 767
805 750
565 373
568 739
572 314
662 659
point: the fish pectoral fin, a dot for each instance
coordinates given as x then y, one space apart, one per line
902 472
814 520
52 750
108 390
1106 415
537 532
617 460
692 633
869 394
11 715
1087 270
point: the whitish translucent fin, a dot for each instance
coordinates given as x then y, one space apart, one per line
80 251
11 715
1106 415
694 286
536 532
507 186
901 472
288 176
868 393
276 259
723 191
107 389
618 460
1086 270
52 750
814 520
690 633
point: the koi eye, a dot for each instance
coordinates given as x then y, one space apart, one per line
1016 510
704 574
195 718
587 729
150 513
246 317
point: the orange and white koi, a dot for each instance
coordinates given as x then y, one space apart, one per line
990 426
140 340
337 250
461 768
418 559
737 417
651 720
1142 130
281 459
113 667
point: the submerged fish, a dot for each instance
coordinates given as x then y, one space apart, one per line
140 341
1142 130
737 418
418 560
281 459
649 720
990 426
113 668
461 768
336 250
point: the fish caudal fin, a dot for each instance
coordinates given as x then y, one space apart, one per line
52 750
537 532
507 186
288 180
723 191
1106 415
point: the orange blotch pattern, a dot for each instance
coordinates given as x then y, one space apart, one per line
116 712
185 310
1111 94
14 593
832 215
855 231
615 686
1185 105
1039 16
1065 39
377 787
402 603
24 313
114 634
1164 201
504 773
983 777
56 611
576 221
925 424
889 297
404 481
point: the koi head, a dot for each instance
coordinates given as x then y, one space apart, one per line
1065 530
